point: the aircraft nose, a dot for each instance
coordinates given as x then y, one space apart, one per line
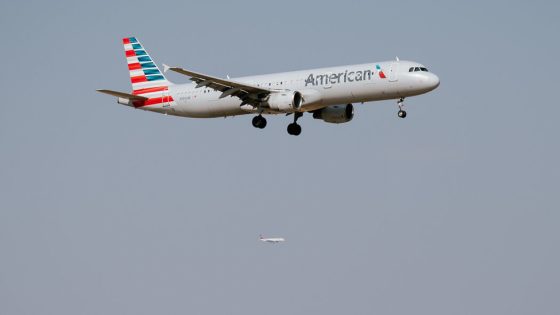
432 81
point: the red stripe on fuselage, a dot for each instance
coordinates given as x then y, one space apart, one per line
153 101
149 90
140 78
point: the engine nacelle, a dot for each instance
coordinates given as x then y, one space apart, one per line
312 100
336 114
285 101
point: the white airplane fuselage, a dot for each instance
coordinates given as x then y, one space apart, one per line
273 240
327 93
333 86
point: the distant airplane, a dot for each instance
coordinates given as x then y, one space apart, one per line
271 239
327 93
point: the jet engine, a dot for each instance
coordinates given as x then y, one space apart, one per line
336 114
285 101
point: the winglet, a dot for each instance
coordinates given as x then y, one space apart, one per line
166 68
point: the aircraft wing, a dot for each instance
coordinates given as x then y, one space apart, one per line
246 92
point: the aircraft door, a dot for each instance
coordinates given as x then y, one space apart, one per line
393 72
165 99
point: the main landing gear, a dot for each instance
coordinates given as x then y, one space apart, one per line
294 129
259 122
402 112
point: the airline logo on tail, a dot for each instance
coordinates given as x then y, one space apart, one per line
142 68
147 80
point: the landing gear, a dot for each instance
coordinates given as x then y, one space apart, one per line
259 122
294 129
402 112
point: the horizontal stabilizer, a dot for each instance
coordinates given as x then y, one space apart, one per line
131 97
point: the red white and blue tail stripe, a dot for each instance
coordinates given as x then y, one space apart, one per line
146 78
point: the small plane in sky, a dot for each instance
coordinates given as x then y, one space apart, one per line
271 239
326 93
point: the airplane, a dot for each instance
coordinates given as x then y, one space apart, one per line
326 93
273 240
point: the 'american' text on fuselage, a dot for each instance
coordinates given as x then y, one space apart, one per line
335 78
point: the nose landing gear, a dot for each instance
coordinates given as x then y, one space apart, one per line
402 112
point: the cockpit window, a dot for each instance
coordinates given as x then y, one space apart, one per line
414 69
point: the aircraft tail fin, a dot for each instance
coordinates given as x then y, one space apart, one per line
145 75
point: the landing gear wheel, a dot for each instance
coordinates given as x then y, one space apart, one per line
400 104
294 129
259 122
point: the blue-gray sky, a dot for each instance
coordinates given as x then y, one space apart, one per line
109 210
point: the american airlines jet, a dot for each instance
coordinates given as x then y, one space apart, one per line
326 93
271 239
